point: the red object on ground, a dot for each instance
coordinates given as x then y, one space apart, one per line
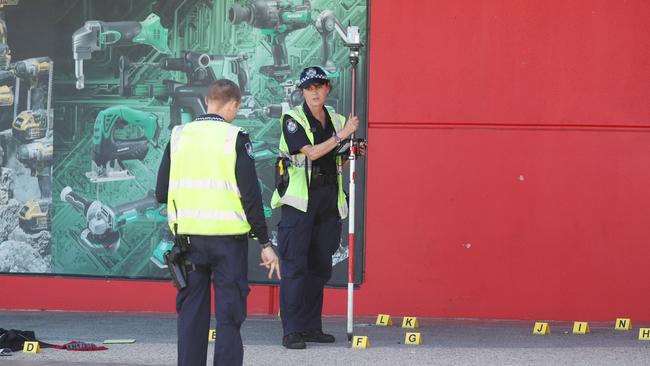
80 346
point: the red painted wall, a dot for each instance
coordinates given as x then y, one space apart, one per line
508 172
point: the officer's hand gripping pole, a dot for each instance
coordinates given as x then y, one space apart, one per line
353 42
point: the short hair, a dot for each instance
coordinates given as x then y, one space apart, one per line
223 91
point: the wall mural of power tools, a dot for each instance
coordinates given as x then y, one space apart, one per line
127 72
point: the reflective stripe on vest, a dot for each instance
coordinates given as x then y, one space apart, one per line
203 196
203 184
186 213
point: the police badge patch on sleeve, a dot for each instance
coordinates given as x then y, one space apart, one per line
292 125
250 150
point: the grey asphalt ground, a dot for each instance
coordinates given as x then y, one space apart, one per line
446 342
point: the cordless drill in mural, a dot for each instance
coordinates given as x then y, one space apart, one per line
96 35
32 127
276 19
38 157
201 70
37 72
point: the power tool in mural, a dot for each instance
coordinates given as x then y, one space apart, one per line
109 150
127 72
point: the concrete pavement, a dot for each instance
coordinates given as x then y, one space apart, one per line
445 342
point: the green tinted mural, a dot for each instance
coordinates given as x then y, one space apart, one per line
124 73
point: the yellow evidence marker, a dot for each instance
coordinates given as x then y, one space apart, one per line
644 334
413 338
212 335
541 328
32 347
360 342
580 327
410 322
623 324
384 320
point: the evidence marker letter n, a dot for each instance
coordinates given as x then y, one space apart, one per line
623 324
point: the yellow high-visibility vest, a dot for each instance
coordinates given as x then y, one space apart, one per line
299 171
203 196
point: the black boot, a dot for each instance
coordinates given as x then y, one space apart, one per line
317 336
293 341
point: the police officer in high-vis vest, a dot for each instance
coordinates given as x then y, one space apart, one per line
309 190
207 178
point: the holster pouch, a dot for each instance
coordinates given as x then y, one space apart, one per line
282 175
176 266
175 261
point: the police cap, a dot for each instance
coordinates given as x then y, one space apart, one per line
312 75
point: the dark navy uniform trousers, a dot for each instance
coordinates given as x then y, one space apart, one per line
306 243
228 260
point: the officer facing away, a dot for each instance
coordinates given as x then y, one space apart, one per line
207 178
313 203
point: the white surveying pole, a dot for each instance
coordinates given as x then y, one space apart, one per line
354 44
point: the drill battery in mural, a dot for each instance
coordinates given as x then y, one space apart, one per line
30 125
34 216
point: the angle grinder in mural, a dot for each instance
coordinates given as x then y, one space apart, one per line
103 222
